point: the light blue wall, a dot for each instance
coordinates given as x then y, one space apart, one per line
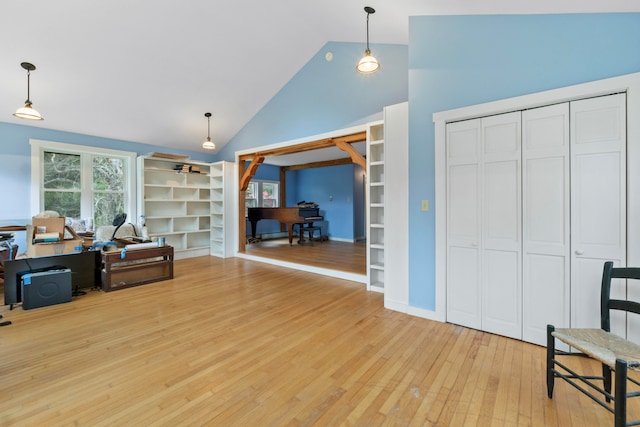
326 96
455 61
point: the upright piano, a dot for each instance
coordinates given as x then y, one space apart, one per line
288 216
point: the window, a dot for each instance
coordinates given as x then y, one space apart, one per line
82 182
262 194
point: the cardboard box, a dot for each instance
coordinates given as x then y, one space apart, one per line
51 225
54 248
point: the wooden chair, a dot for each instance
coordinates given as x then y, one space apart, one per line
616 354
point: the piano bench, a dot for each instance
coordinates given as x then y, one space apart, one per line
310 230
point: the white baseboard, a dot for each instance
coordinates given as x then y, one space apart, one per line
360 278
339 239
412 311
425 314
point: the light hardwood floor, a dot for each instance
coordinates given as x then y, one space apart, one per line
240 343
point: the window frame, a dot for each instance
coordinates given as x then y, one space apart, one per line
38 148
259 199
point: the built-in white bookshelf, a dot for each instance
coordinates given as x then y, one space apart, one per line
223 202
376 206
176 203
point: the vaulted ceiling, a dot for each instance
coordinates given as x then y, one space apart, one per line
147 70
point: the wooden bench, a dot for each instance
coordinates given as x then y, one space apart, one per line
139 267
309 230
615 353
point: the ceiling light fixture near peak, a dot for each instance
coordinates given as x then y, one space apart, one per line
208 144
28 112
368 64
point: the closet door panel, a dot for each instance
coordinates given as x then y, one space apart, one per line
546 295
502 204
501 299
547 204
598 203
546 274
463 206
501 225
463 224
463 287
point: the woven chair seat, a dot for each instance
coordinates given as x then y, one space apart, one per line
601 345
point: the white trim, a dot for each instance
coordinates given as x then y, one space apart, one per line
629 83
38 146
359 278
327 272
412 311
260 199
341 239
426 314
396 305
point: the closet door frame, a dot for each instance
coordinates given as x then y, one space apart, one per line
630 84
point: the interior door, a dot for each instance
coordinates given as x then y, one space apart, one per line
598 202
501 225
463 223
545 205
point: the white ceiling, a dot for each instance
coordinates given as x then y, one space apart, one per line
148 70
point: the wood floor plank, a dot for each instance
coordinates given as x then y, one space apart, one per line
231 342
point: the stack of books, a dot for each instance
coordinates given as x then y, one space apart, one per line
187 168
46 237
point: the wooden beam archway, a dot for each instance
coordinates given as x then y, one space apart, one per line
308 146
342 142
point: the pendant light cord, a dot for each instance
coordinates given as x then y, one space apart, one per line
29 84
368 30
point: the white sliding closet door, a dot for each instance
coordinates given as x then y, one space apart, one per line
463 223
546 246
484 224
501 225
598 202
533 214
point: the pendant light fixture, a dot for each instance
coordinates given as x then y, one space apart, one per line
368 64
208 144
28 112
